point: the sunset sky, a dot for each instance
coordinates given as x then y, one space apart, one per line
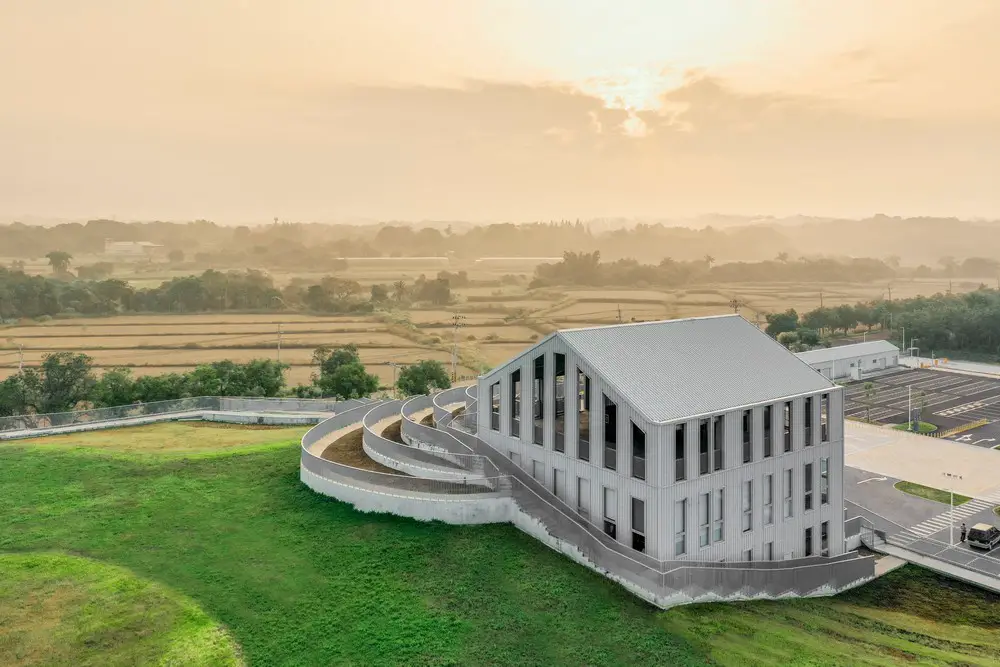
239 111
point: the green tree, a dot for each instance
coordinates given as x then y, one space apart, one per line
67 380
59 261
116 386
176 256
21 393
419 378
341 373
781 322
379 294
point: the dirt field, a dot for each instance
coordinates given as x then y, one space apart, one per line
499 322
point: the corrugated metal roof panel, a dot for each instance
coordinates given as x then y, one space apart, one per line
828 354
681 368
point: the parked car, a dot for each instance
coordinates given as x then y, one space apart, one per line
984 536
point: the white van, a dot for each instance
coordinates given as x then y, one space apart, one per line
984 536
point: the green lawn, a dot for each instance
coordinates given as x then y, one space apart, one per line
922 427
65 610
937 495
299 579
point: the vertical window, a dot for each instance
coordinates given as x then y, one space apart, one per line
769 551
824 418
768 447
809 541
537 471
747 505
538 400
768 500
558 482
610 512
809 420
680 464
824 481
718 442
638 525
808 486
788 425
747 436
583 496
719 510
559 396
705 520
703 462
788 493
824 539
583 418
515 403
495 406
610 434
748 556
638 452
680 527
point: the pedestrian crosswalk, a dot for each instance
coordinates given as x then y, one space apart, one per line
946 519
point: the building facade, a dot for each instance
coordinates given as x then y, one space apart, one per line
852 361
699 439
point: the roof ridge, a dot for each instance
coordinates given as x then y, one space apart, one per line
636 324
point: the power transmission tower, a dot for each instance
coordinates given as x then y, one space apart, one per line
279 343
619 313
735 304
456 321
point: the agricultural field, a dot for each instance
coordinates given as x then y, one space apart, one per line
498 322
156 546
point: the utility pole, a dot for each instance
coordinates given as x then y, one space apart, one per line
20 357
394 367
619 313
279 343
890 292
456 321
821 298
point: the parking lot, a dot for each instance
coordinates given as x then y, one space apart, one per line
950 399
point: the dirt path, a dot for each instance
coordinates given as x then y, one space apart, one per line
347 449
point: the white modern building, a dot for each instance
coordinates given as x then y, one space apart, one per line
852 361
699 439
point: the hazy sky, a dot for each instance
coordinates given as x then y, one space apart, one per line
498 109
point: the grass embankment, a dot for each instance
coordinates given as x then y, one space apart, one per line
64 610
300 579
922 427
937 495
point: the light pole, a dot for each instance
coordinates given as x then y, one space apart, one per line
951 514
909 407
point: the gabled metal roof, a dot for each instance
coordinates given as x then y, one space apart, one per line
674 369
841 352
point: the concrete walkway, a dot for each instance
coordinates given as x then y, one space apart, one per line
955 571
970 367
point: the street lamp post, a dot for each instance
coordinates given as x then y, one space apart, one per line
951 514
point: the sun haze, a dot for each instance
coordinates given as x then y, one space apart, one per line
497 109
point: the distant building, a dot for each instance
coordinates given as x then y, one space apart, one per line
131 250
852 361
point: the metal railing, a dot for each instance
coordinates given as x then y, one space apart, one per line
179 405
447 448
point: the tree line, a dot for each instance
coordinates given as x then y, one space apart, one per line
67 381
958 324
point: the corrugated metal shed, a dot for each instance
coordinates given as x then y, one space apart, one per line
841 352
681 368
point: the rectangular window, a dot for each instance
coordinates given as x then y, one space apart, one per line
809 542
808 486
768 447
558 482
638 452
680 464
788 426
559 396
747 436
788 493
824 481
537 471
719 510
583 496
680 527
748 556
515 404
768 500
769 551
610 434
809 420
583 418
718 442
824 539
611 512
538 400
703 462
824 418
747 505
638 525
495 406
705 520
